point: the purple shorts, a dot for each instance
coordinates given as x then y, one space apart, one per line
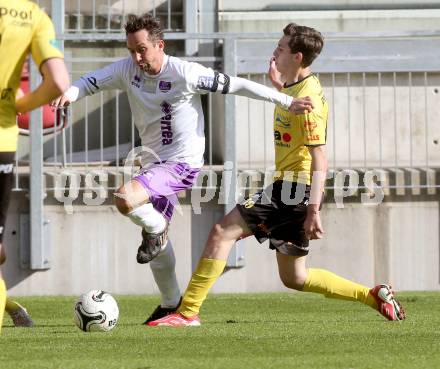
163 181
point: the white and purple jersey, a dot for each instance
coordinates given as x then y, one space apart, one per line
166 107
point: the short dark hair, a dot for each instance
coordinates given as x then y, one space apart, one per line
305 40
145 21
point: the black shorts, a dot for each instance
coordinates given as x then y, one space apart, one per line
278 213
6 180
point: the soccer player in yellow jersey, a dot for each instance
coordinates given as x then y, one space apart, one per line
287 213
24 28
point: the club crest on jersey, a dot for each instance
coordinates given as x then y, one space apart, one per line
205 83
282 121
6 94
164 86
136 82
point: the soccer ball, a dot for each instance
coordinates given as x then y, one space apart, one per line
95 311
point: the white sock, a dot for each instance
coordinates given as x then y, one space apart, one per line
148 218
163 268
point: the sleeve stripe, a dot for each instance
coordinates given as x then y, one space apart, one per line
315 145
226 85
215 82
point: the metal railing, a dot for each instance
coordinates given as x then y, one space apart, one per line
376 120
382 111
97 17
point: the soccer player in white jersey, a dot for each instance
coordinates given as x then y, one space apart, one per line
164 97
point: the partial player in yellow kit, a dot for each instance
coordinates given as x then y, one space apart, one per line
24 29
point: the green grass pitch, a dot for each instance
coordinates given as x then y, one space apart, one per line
255 331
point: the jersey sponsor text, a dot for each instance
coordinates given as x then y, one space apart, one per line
14 13
165 124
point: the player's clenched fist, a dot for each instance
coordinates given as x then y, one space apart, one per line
301 105
60 102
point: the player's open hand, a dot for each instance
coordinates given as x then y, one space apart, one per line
274 75
302 105
313 227
60 102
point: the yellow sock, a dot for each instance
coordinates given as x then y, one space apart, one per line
2 300
332 286
202 280
11 305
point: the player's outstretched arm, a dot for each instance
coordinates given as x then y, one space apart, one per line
55 82
244 87
78 90
107 78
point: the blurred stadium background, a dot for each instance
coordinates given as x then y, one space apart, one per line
381 73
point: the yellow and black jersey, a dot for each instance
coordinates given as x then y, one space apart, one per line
24 29
293 133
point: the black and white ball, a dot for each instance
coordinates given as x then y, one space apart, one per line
96 311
